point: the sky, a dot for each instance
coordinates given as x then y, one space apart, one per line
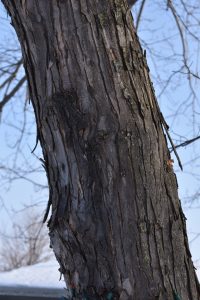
19 193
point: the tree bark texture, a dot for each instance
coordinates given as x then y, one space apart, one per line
116 225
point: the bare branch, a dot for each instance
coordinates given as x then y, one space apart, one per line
7 97
140 14
187 142
13 75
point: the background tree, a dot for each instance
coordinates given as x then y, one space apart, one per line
103 184
27 243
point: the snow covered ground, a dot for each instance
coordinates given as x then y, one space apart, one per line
40 275
44 275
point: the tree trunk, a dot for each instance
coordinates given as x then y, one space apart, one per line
116 227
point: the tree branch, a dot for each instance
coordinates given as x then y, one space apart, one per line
12 93
186 143
13 75
140 14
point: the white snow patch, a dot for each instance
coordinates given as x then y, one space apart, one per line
39 275
198 272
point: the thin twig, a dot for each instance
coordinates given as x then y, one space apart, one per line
13 75
186 143
140 14
166 127
12 93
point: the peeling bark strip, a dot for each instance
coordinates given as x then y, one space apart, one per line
117 227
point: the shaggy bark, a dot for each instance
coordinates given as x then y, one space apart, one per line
116 226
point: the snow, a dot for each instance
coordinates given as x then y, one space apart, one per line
39 275
198 273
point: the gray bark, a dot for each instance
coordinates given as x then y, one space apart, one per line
116 225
